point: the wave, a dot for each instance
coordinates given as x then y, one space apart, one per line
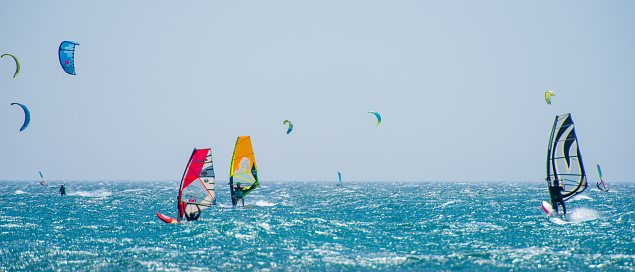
448 203
20 192
581 197
263 203
97 193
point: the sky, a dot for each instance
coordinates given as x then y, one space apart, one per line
459 85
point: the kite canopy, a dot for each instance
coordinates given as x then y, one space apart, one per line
67 56
290 125
548 95
27 116
17 63
378 117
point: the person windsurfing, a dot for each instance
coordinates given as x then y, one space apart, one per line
194 215
555 192
238 194
62 190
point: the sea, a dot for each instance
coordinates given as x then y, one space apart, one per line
316 226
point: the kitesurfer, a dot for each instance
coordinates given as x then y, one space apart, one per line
555 192
238 194
193 216
62 190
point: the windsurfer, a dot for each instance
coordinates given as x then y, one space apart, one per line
194 215
238 194
62 190
555 192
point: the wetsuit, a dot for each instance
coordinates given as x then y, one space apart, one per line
238 194
62 190
556 198
193 216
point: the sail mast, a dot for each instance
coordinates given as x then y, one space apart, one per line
549 153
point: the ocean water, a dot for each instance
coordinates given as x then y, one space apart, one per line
315 226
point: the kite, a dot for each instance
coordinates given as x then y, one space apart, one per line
378 117
27 116
548 95
290 125
17 63
67 56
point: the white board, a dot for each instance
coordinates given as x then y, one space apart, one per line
547 207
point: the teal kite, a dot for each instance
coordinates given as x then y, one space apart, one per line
378 117
27 116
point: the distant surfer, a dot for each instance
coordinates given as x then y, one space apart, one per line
555 192
193 216
62 190
238 194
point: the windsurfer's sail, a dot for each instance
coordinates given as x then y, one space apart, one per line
603 188
340 176
243 169
43 183
197 184
564 162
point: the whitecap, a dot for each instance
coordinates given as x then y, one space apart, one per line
20 192
265 226
581 215
97 193
448 203
581 197
263 203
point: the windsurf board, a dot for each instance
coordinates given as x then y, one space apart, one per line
547 207
167 219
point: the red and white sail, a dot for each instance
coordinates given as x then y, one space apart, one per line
197 185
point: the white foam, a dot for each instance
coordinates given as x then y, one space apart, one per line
581 215
20 192
265 226
581 197
97 193
263 203
448 203
558 221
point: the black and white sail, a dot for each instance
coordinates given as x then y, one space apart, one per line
564 162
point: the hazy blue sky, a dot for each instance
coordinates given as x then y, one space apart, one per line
459 85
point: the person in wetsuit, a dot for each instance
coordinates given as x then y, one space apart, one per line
238 194
555 192
62 190
193 216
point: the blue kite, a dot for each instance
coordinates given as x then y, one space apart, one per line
27 116
67 56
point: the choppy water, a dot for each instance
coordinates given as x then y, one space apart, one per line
111 226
